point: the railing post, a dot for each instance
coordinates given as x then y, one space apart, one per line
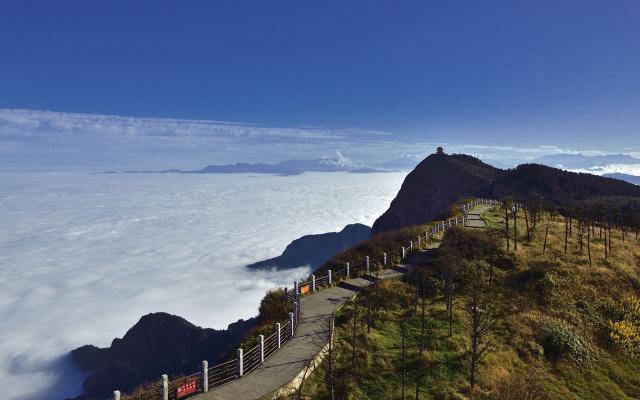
295 289
240 362
261 343
410 245
403 252
165 387
348 272
368 271
116 395
205 376
313 283
291 323
329 277
295 309
278 334
384 259
419 240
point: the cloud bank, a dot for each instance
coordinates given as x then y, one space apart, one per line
84 256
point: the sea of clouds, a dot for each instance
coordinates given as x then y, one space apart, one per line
83 256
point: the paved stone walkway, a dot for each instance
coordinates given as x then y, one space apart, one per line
311 336
475 219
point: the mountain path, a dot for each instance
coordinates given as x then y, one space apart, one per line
282 370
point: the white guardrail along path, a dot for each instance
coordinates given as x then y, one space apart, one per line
208 378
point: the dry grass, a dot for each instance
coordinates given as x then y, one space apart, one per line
542 289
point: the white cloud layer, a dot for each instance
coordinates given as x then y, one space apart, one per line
630 169
84 256
32 140
44 139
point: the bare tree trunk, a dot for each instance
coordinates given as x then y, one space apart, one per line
610 240
475 323
449 297
515 229
421 356
353 340
581 235
506 225
526 220
369 308
417 293
490 275
566 233
600 226
481 324
546 233
570 226
606 246
589 243
451 315
403 361
330 361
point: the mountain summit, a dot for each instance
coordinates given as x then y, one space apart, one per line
437 182
441 179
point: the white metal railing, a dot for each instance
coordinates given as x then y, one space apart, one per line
245 362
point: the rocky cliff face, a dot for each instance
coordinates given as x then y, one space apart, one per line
441 180
157 344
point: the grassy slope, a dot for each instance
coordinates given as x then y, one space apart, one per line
562 288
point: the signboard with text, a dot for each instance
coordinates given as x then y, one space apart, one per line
187 388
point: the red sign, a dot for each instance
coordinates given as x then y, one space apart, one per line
187 388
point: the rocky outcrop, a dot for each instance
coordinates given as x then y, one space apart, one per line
314 250
157 344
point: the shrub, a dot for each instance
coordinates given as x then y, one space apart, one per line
561 340
506 262
538 269
392 294
625 331
545 287
519 388
273 308
535 349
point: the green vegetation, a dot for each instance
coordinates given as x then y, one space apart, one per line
560 324
625 326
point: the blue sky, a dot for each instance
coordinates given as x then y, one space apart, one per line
537 73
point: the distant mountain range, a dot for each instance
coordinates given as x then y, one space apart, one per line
624 177
289 167
581 161
297 167
314 250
